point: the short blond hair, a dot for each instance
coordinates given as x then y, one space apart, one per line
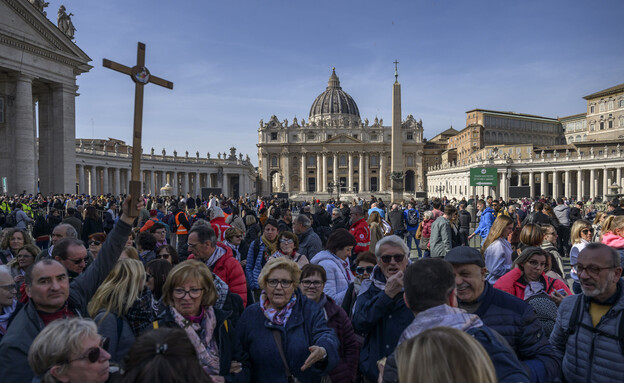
185 271
277 264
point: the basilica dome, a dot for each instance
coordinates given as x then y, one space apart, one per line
334 103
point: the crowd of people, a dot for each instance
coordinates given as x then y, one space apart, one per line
261 290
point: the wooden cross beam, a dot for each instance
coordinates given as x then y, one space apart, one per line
141 76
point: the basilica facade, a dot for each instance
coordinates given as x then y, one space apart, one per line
335 153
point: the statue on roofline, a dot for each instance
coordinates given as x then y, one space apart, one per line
64 22
40 5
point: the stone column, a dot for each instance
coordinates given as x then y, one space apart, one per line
567 183
186 184
304 159
98 180
544 183
579 185
336 178
81 179
23 167
226 184
605 183
105 189
382 172
350 179
519 179
174 179
366 186
555 184
46 143
324 189
197 184
153 182
531 184
64 127
592 183
361 173
319 172
618 178
118 187
286 173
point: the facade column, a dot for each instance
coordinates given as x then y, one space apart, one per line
618 178
336 178
580 182
81 179
225 187
105 189
46 144
117 181
153 182
366 185
544 183
186 183
324 188
567 183
350 179
519 179
174 179
304 177
197 184
319 172
531 184
555 184
382 173
24 164
592 184
64 137
361 173
286 169
98 181
605 183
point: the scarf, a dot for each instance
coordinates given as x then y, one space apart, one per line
278 317
234 248
65 312
5 315
218 253
201 338
270 247
141 314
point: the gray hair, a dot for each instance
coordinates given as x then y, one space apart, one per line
215 212
357 209
204 233
70 231
57 343
394 241
303 220
428 214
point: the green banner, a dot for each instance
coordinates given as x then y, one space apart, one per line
484 177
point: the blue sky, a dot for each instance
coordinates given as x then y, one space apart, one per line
236 62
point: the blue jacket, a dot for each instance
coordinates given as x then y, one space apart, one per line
516 321
381 320
485 223
255 262
405 214
306 327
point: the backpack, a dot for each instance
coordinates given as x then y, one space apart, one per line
546 311
11 220
412 217
574 321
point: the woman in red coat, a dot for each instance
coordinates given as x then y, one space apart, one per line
528 277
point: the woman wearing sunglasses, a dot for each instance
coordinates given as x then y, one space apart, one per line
70 350
189 296
95 243
313 278
288 244
364 265
285 333
581 235
121 308
335 261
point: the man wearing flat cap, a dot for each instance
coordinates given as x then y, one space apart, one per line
513 318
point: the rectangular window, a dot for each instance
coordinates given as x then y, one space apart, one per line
591 109
273 136
410 136
374 137
329 136
310 136
294 137
610 124
355 136
311 160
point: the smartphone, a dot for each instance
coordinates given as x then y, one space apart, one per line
562 292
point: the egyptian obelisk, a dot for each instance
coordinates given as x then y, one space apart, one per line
396 168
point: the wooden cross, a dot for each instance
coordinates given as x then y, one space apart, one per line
141 76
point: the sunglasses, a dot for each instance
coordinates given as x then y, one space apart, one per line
360 270
93 354
586 231
388 258
79 261
96 243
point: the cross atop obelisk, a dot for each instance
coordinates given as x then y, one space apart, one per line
141 76
396 71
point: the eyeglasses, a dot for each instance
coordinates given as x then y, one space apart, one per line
163 255
591 269
388 258
93 354
78 261
286 240
11 287
181 293
588 230
284 282
308 283
360 270
96 243
537 264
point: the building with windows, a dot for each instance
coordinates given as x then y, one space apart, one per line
336 152
605 114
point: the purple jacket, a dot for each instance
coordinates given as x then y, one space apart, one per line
349 345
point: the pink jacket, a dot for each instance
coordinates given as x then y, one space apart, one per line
613 240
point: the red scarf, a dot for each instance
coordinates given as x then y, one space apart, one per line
62 313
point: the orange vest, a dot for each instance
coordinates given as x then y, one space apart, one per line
181 229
